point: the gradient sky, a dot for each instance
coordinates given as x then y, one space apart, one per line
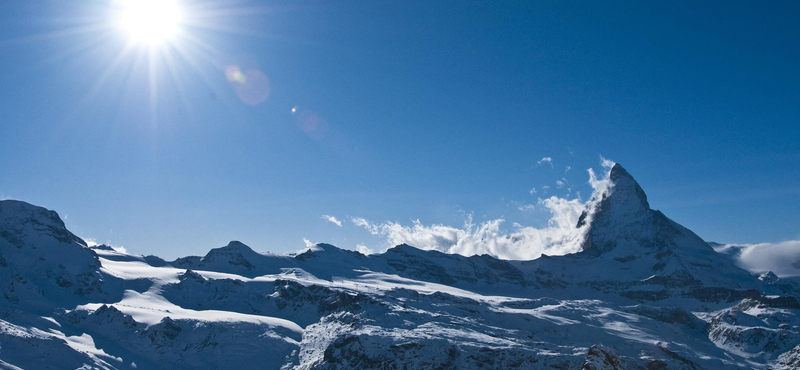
428 110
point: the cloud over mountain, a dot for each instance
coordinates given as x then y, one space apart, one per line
782 258
560 236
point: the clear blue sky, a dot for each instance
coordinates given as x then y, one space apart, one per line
433 109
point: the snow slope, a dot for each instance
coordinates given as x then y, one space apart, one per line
644 293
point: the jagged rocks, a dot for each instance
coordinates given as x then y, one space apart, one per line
602 358
754 327
789 360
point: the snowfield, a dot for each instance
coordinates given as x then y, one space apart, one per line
643 293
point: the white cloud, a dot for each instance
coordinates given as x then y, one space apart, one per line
363 249
564 183
358 221
533 191
781 258
566 169
332 219
523 243
308 243
560 236
526 208
545 160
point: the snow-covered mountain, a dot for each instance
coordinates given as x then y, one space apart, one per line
644 293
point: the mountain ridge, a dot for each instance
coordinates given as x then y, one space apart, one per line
645 292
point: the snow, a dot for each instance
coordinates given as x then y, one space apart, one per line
84 343
375 282
151 308
131 270
644 292
541 313
6 366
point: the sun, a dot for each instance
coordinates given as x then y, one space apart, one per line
150 21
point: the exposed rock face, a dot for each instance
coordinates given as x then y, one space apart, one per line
602 358
789 360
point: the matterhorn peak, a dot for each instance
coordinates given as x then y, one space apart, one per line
625 191
621 213
621 227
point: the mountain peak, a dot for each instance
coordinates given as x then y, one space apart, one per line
235 244
624 229
622 213
234 247
235 253
20 221
625 190
617 171
405 249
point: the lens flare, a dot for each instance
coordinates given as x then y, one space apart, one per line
251 86
312 124
234 74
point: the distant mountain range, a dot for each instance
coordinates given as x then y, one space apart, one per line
644 293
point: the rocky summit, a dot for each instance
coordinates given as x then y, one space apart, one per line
643 293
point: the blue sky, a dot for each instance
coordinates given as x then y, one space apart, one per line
404 111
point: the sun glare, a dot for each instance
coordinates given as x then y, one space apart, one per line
151 21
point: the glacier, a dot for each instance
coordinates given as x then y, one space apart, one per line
643 292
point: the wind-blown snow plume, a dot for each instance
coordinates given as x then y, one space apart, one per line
560 236
91 242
